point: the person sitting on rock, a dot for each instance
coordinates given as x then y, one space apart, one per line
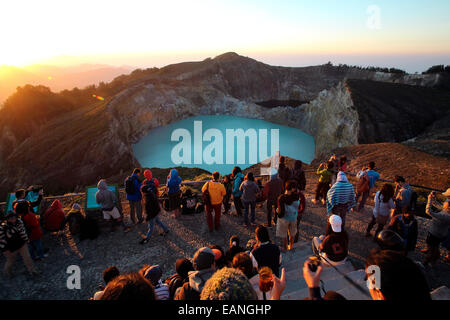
189 202
108 275
54 217
340 197
399 277
233 249
325 174
154 274
130 287
439 227
265 253
333 247
182 266
204 264
13 241
406 226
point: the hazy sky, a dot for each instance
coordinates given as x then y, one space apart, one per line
410 34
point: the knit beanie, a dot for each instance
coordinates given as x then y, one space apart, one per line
154 274
76 206
228 284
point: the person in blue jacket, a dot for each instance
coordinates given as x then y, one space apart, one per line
238 178
174 190
134 196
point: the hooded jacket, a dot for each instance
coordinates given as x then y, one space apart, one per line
54 216
173 181
341 192
237 183
105 197
32 226
137 196
191 290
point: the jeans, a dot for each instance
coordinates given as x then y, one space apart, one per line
136 206
36 250
209 217
151 223
238 205
252 205
364 195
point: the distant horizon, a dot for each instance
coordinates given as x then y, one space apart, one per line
409 63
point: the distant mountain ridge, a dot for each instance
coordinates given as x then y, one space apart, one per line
56 77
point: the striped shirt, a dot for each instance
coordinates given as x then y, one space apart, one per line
340 193
162 291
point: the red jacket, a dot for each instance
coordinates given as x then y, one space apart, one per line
54 216
32 226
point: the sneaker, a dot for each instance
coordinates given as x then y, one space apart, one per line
143 241
163 233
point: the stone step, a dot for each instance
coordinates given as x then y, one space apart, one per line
340 282
441 293
300 249
328 273
297 263
296 295
351 293
294 285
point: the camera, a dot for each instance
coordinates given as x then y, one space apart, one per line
313 263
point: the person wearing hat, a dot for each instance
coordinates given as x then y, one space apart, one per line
13 241
439 227
204 264
340 197
183 266
74 218
334 245
154 274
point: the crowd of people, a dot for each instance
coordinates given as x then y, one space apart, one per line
253 272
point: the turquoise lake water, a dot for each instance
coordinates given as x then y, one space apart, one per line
208 142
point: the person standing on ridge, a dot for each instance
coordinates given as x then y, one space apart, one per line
249 190
382 210
238 178
174 191
403 195
134 196
367 178
216 193
284 172
340 197
324 172
273 189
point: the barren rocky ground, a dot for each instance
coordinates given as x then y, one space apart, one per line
186 235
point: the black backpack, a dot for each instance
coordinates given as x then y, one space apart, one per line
129 185
152 207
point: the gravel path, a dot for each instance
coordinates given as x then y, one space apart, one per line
186 235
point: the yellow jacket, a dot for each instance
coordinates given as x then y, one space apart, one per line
216 191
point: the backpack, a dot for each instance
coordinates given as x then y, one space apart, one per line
129 185
363 184
152 207
206 197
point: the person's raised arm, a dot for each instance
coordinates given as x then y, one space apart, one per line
279 284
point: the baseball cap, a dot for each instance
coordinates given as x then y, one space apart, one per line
336 223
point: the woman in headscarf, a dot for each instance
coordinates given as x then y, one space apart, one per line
174 191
